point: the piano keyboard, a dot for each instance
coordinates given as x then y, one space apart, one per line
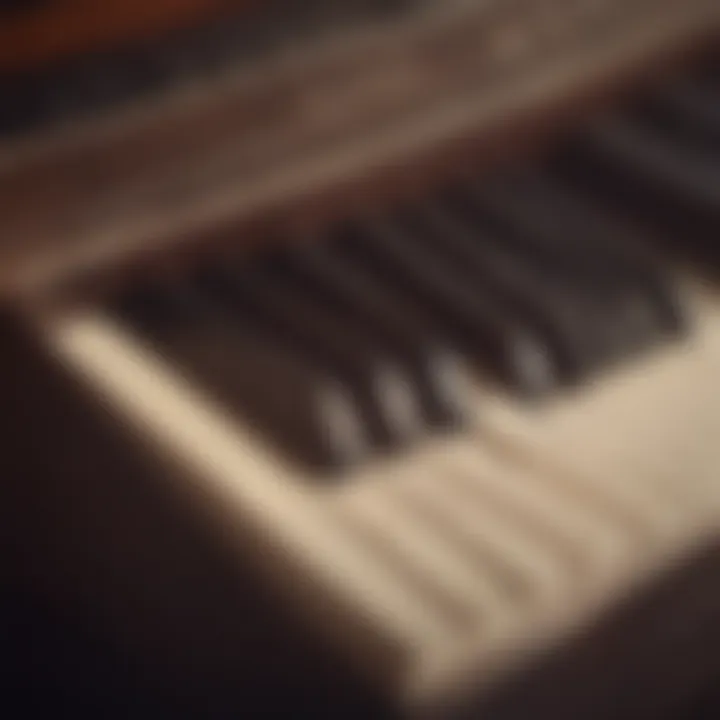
369 337
509 384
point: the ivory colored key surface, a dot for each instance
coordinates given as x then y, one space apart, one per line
457 559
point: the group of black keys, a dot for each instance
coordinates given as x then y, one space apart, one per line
360 342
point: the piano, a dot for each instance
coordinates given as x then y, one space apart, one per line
402 314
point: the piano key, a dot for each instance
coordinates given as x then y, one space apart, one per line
436 370
554 317
383 389
690 107
355 344
682 224
672 173
618 313
572 217
559 257
307 413
476 321
552 260
596 325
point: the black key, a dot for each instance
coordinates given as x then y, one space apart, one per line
307 413
621 304
475 320
690 108
384 394
362 298
672 174
540 304
570 218
515 221
641 184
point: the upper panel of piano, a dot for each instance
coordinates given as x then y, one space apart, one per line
316 126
